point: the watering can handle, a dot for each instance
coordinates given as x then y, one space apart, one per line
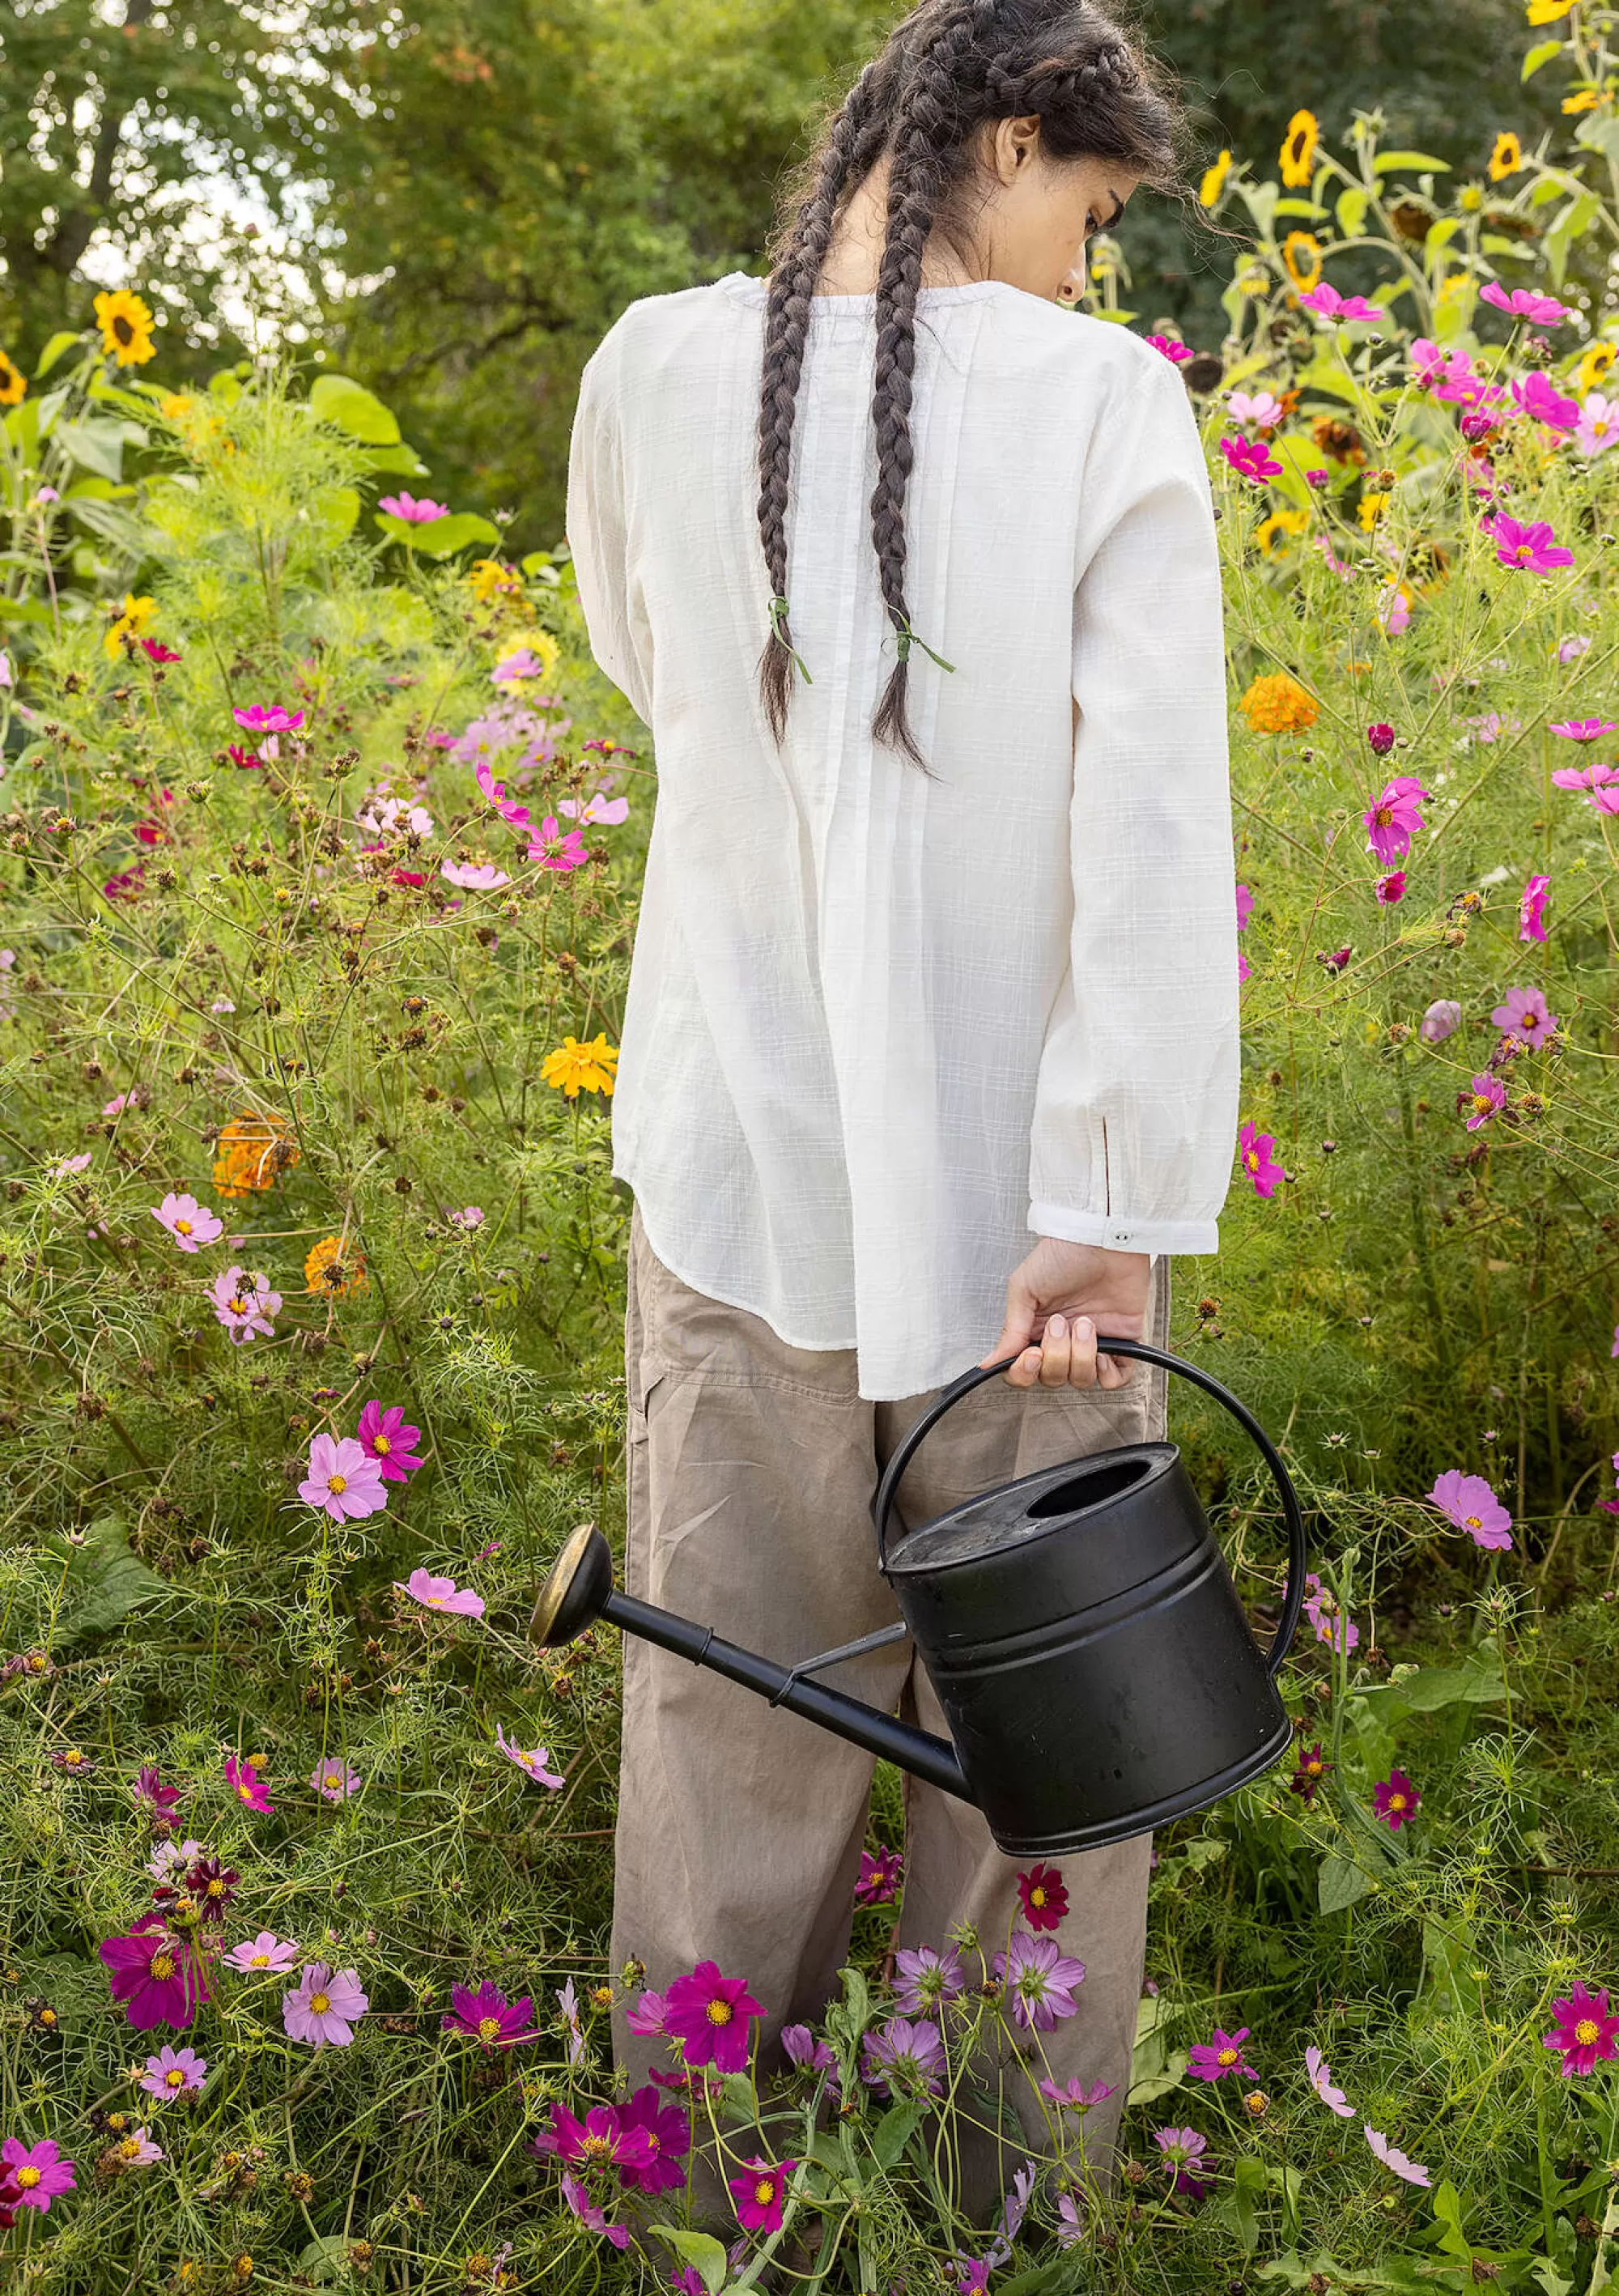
1298 1554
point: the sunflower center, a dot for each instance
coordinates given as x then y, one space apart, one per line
321 2003
122 328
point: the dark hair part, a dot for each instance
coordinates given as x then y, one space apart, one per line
951 68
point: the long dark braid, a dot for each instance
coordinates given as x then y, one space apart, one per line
952 67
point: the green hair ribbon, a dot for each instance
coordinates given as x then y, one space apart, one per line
778 623
906 637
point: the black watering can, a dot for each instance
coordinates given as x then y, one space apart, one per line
1079 1625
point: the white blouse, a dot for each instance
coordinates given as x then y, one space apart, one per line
879 1028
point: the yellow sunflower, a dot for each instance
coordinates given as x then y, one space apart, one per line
334 1269
13 382
1372 507
1298 148
1507 158
592 1065
1583 99
133 620
1270 533
1594 366
125 326
1279 704
1302 254
1214 180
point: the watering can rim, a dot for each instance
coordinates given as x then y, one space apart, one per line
1165 1456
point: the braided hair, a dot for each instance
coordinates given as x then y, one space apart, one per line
949 68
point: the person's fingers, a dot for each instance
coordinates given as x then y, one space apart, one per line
1055 1352
1114 1371
1082 1361
1016 1330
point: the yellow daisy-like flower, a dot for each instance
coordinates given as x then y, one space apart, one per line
1583 99
1507 158
1548 12
13 382
1298 148
126 325
333 1269
1594 366
1269 534
592 1066
1279 704
543 646
253 1152
1214 180
1371 509
1254 279
1302 254
135 615
488 578
174 405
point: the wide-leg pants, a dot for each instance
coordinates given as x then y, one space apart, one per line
751 1470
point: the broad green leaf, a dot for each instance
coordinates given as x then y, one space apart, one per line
99 446
24 609
403 458
1341 1882
893 2131
225 386
1541 53
1350 210
441 536
700 2249
1240 2208
348 406
334 510
112 524
1447 2214
1300 207
1297 456
1576 217
1387 162
1044 2279
105 1582
325 2261
60 343
1600 136
1440 235
738 2102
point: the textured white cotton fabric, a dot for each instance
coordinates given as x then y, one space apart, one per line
879 1027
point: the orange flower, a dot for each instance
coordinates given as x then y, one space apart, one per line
1279 704
253 1152
333 1268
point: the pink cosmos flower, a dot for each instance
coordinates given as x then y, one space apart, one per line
1525 1016
471 1217
174 2073
1261 407
135 2150
1077 2097
385 1437
646 2015
1043 1895
441 1595
245 1304
413 512
1322 1609
474 876
556 848
1177 354
597 807
1250 459
1245 905
926 1980
1181 2147
66 1165
488 2017
1396 1801
1211 2061
1392 817
1469 1502
508 808
1486 1099
517 669
326 2006
1390 886
1571 649
1583 729
265 1951
1524 303
1532 909
707 2014
903 2057
1583 2031
533 1765
1393 2157
1381 740
590 2216
1327 303
568 2000
880 1877
335 1781
805 2051
760 2191
248 1788
1528 549
1597 428
1040 1979
1391 609
1320 2082
151 1793
38 2171
343 1478
268 719
159 1979
190 1224
668 2131
1547 404
1254 1149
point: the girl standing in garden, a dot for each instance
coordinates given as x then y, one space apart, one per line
930 1051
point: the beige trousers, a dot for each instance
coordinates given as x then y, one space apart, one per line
751 1470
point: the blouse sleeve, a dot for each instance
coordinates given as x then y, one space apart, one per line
598 537
1135 1115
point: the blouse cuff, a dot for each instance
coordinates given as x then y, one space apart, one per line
1115 1232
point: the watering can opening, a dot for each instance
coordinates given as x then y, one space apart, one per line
1052 1500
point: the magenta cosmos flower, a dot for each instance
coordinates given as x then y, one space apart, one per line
326 2007
1177 354
601 2140
1322 1609
1583 729
335 1781
386 1437
590 2216
1250 458
508 808
1327 303
668 2131
1527 549
406 506
245 1783
1320 2082
1380 739
1254 1149
904 2056
441 1595
343 1478
707 2014
38 2171
1524 1015
1043 1895
1040 1980
158 1978
265 1951
1524 303
1532 909
760 2191
190 1224
1211 2061
245 1305
1584 2030
1542 399
1181 2147
880 1877
272 718
1075 2097
1396 1801
1391 888
533 1765
926 1980
151 1793
174 2073
1469 1502
1485 1099
1392 817
555 848
488 2017
805 2051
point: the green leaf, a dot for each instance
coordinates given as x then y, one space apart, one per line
1341 1882
1440 235
98 446
895 2131
1576 217
1041 2278
334 510
738 2102
225 386
112 524
1387 162
440 535
1300 207
1600 136
24 609
325 2261
347 405
700 2249
403 458
64 340
1541 53
1447 2214
1239 2208
105 1582
1477 1683
1350 210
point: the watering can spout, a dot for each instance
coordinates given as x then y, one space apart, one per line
580 1590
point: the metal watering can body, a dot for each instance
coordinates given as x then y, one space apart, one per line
1080 1627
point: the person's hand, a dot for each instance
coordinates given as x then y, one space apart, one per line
1058 1299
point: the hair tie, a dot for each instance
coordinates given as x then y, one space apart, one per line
778 626
906 637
